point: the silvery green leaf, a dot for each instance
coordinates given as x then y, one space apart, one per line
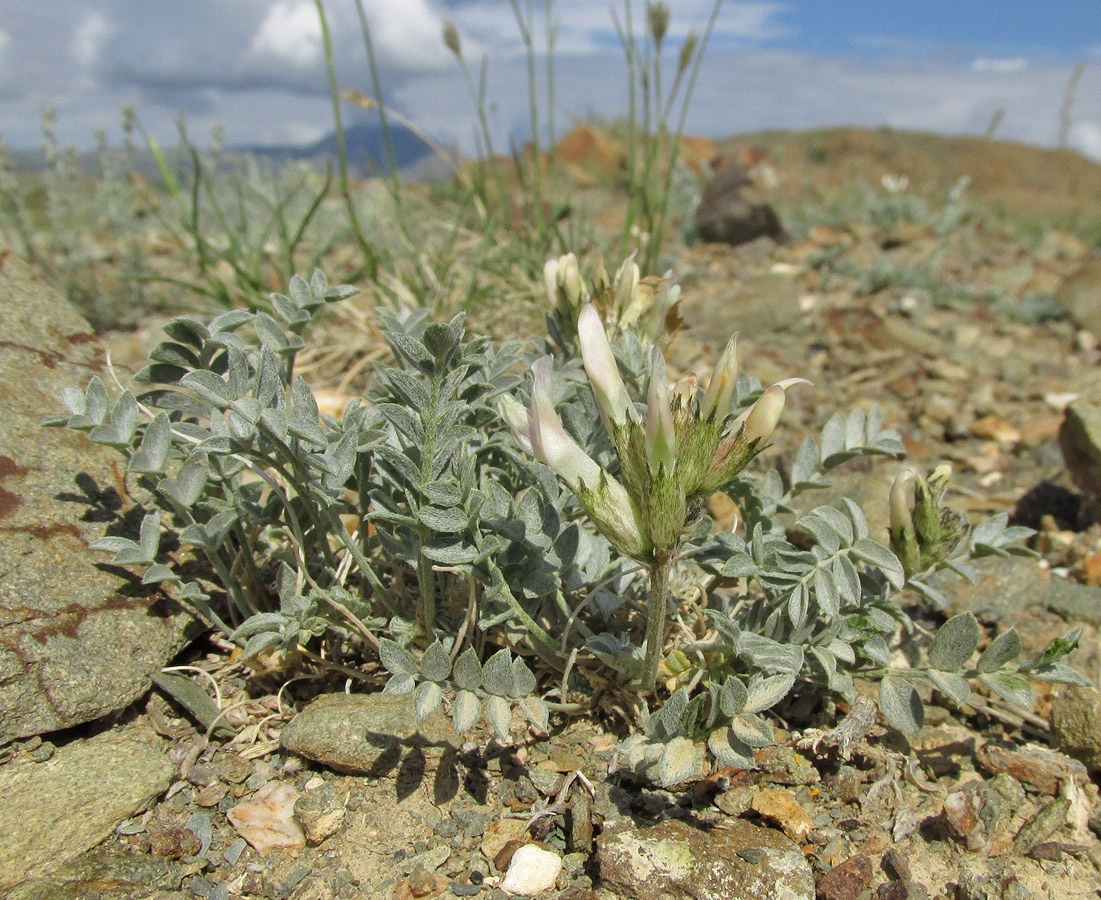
435 663
209 386
833 437
260 642
955 642
157 573
953 686
152 453
523 681
825 591
764 693
237 374
680 761
450 554
114 544
1012 687
124 417
826 537
751 730
272 336
876 649
465 711
444 493
846 579
901 704
395 658
883 559
838 521
95 401
537 712
426 699
1061 673
73 398
400 686
733 698
275 423
444 520
856 516
768 654
729 751
405 421
240 427
497 677
191 479
932 594
187 329
798 606
230 321
1055 649
842 650
408 389
499 714
805 464
665 723
854 429
1005 648
150 534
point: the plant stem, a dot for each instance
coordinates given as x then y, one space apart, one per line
655 618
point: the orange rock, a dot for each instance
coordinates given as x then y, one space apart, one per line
995 429
1044 428
590 146
780 805
697 152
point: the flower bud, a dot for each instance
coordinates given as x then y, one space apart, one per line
661 438
569 276
765 415
600 365
516 417
724 378
626 279
903 539
550 281
549 440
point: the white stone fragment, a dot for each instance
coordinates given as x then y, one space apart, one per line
532 871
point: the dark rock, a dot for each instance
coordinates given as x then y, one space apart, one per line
53 812
361 733
78 640
1080 441
107 875
847 880
896 865
732 211
673 861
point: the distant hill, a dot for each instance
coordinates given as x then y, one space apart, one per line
366 149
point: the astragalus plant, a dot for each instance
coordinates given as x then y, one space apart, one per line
424 532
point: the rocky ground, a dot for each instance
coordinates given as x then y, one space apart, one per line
976 331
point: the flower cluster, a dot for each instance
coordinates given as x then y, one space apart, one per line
687 446
922 532
626 301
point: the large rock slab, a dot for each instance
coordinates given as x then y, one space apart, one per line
361 734
54 811
77 639
674 861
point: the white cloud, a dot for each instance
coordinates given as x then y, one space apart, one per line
89 37
999 66
291 32
1085 136
406 35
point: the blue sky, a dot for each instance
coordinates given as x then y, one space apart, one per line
256 68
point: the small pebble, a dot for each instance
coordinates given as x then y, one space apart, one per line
531 871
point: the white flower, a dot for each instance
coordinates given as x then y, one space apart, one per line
600 365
